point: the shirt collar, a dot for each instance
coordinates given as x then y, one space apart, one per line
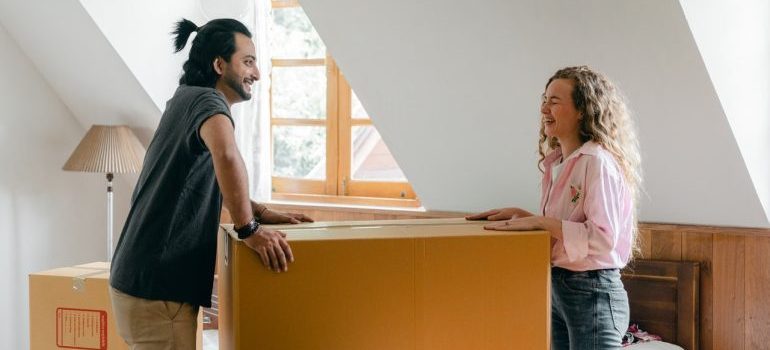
589 148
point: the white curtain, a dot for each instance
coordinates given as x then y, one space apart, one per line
252 118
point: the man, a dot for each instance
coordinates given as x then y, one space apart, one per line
163 268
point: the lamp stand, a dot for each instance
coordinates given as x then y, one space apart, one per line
109 217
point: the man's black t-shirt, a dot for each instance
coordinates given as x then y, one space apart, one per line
167 250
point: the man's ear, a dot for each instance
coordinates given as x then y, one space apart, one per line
218 65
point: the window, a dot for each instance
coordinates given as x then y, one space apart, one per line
324 146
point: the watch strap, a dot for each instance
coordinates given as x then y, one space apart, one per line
247 230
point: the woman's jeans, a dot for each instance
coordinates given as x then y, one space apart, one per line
589 310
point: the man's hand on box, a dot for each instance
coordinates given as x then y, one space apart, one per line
272 248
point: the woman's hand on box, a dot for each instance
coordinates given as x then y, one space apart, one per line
517 224
500 214
530 223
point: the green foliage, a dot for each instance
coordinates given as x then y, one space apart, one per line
299 151
299 92
293 36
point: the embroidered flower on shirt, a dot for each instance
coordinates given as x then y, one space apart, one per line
575 192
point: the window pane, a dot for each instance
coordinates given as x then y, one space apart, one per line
371 160
299 152
357 109
293 36
299 92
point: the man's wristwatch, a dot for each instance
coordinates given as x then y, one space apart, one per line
247 230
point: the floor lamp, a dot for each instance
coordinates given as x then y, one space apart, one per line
107 149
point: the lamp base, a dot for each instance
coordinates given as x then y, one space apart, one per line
109 217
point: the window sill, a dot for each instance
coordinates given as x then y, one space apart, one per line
412 205
394 212
308 203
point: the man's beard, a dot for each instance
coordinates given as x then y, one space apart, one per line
236 85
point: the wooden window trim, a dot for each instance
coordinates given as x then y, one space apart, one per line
298 62
333 138
305 199
338 187
348 185
298 122
290 185
279 4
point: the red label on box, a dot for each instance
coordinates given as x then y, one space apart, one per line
81 329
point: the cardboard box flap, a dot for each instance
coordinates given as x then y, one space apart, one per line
404 222
383 229
66 272
79 275
101 265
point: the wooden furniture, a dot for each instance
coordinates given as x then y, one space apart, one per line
664 299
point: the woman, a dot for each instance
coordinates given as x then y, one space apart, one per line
590 163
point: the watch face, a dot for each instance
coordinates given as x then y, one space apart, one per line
247 230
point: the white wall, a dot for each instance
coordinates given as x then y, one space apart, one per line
734 40
78 62
457 85
476 73
140 33
48 217
86 75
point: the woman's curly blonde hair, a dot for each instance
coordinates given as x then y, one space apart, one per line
605 120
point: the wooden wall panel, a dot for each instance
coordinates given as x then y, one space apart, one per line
757 293
729 292
698 246
666 245
645 246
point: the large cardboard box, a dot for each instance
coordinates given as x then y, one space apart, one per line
408 284
70 308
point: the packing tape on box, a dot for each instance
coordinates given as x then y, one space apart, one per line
227 250
79 282
370 224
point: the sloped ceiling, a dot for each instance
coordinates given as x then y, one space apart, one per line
734 41
79 63
465 78
454 89
140 32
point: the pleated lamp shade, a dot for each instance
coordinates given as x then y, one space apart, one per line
107 149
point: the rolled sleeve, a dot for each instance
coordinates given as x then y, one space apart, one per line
575 240
207 106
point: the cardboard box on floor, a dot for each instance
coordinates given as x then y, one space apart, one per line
406 284
70 309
